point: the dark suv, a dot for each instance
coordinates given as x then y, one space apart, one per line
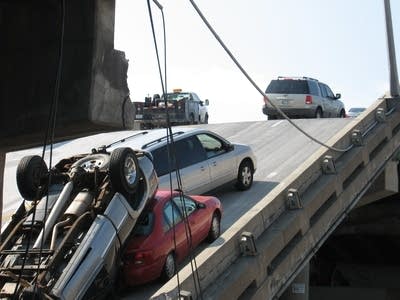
302 97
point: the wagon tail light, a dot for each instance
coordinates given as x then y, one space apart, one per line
266 100
308 99
139 258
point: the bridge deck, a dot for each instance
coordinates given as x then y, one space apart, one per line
285 238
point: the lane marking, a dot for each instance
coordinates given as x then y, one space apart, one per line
271 175
277 123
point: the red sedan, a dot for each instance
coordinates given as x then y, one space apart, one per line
151 253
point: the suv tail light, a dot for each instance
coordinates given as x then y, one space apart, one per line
266 99
308 99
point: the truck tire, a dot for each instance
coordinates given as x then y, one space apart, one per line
191 119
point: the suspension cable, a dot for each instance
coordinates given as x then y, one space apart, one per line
171 153
49 132
257 87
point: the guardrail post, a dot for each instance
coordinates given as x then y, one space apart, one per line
293 200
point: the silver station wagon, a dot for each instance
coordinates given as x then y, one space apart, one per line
205 160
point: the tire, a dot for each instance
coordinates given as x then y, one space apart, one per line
215 228
245 175
342 114
318 113
30 170
124 171
169 268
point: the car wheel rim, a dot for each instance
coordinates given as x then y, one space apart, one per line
170 266
130 171
246 176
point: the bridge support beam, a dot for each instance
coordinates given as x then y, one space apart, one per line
299 288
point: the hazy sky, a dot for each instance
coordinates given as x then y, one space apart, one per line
340 42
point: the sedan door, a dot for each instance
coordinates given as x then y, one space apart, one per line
197 218
221 159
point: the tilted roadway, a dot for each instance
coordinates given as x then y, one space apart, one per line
280 149
285 158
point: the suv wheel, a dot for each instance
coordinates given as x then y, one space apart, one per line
124 171
30 170
342 114
318 113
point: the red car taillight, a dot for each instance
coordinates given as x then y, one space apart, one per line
143 257
139 258
266 99
308 99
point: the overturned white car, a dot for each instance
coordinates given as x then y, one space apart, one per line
65 240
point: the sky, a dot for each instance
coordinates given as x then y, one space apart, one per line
341 43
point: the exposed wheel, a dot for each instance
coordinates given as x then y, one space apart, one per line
169 268
318 113
342 114
92 161
215 229
29 172
245 175
124 170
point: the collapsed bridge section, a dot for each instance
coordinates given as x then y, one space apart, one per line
262 252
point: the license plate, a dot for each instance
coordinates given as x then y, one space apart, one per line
139 116
285 102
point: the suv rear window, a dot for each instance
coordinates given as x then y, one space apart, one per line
287 87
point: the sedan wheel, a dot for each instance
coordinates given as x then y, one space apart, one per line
215 229
169 267
245 176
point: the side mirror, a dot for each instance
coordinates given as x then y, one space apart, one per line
207 102
230 147
338 96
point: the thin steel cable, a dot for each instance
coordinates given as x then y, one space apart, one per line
171 145
49 132
256 86
167 115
